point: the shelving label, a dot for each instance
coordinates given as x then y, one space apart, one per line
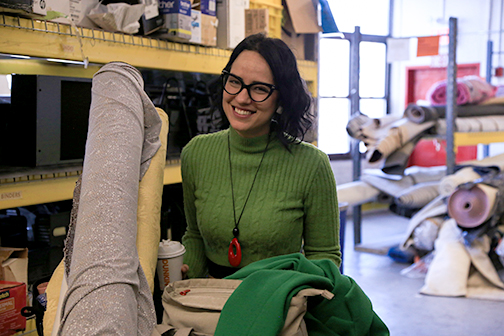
12 195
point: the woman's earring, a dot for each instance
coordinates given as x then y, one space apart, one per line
279 110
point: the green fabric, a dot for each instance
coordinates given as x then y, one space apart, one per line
293 198
259 305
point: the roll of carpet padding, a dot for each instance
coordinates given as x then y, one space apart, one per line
470 90
420 114
450 183
357 193
397 136
418 195
473 124
473 206
396 162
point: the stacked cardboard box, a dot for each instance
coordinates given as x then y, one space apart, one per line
13 279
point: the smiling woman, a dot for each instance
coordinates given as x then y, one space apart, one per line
256 190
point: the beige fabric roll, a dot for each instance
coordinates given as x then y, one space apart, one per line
150 195
491 161
399 134
436 207
473 124
391 187
418 195
449 270
356 193
449 183
425 174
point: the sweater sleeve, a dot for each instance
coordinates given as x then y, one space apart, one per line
195 256
321 228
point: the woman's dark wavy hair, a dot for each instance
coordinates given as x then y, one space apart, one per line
294 98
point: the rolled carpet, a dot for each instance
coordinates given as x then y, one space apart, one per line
418 195
356 193
398 135
471 207
420 114
108 292
470 90
450 183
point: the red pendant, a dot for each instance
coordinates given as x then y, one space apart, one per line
234 258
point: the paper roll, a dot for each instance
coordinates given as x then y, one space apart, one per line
450 183
472 207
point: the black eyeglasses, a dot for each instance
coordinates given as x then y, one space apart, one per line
258 92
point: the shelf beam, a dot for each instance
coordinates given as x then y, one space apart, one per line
17 194
42 39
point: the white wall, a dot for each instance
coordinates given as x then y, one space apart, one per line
413 18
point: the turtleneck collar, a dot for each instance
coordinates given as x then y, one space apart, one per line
249 145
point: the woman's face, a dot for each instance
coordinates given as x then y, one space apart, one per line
249 118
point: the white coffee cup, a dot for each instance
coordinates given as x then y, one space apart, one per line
170 261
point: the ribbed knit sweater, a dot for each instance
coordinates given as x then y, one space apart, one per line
292 206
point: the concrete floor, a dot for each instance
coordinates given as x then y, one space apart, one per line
396 298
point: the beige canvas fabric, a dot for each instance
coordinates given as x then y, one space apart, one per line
195 305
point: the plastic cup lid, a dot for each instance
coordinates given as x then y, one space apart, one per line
170 249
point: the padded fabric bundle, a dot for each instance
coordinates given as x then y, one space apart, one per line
420 114
451 273
369 130
470 90
108 292
473 124
397 136
418 195
356 193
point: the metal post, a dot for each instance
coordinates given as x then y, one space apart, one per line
486 148
451 96
354 110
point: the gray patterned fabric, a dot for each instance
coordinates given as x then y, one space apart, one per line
108 293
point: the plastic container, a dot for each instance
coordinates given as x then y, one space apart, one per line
275 9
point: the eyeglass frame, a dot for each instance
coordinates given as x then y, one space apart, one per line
245 86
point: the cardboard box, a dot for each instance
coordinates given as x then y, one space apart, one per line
12 300
195 26
231 28
14 264
177 20
208 7
300 28
63 11
152 19
31 8
256 21
209 26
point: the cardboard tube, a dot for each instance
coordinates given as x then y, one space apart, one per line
472 207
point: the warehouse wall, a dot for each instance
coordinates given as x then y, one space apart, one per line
430 17
478 21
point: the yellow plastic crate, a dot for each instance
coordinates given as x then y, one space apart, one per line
274 13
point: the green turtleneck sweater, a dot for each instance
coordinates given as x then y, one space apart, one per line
293 203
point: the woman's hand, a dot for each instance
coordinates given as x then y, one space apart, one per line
184 269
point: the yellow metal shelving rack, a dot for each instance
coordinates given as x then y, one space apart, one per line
42 40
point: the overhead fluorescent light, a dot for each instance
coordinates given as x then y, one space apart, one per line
64 61
20 56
